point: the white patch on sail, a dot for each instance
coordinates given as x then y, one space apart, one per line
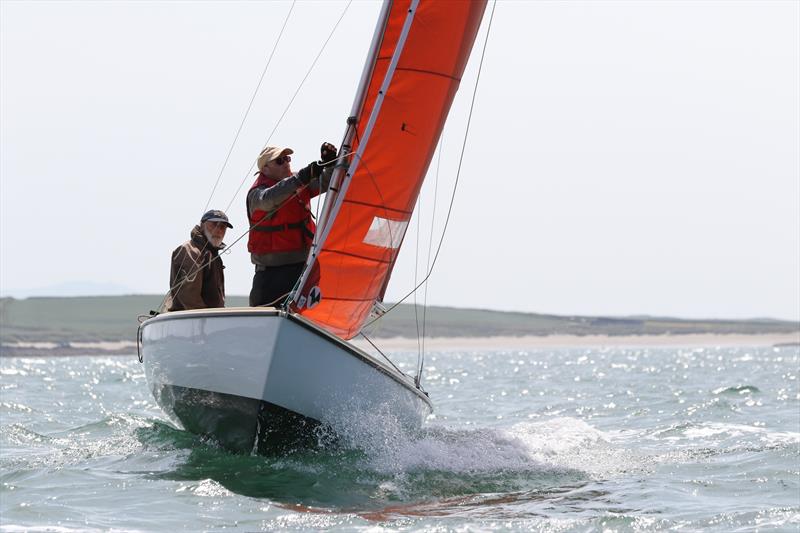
386 233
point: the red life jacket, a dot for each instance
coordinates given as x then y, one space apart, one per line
288 229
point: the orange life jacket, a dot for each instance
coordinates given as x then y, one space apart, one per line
288 229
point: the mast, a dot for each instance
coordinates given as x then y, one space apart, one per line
387 80
336 201
349 132
418 55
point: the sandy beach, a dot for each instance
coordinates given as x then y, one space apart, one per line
584 341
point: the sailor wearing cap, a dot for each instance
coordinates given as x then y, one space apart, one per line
196 276
281 225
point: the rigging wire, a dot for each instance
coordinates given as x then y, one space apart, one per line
249 106
380 352
416 269
236 138
458 172
421 358
228 248
291 101
430 239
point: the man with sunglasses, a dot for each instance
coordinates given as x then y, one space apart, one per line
281 225
196 279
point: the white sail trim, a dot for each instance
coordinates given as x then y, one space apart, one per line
386 233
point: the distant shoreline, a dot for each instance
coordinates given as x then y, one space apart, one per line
34 325
700 340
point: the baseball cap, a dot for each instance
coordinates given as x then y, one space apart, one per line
271 152
215 215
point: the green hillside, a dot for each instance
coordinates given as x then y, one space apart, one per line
115 318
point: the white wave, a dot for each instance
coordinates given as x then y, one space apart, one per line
206 488
559 443
717 430
558 435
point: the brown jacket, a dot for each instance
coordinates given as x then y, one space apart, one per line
193 287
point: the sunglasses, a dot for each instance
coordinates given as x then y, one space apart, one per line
282 159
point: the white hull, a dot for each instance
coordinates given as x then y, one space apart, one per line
261 379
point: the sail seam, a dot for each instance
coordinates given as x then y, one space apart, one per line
357 256
431 72
420 70
377 206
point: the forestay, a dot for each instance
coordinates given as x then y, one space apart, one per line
418 57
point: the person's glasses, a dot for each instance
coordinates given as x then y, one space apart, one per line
282 159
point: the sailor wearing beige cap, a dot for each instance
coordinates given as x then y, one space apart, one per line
281 225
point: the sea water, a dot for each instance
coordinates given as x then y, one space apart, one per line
615 439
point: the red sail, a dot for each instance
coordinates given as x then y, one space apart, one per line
362 240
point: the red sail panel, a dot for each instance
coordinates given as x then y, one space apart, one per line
359 251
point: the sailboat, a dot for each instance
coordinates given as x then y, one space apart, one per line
264 379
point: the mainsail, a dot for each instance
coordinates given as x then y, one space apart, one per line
419 54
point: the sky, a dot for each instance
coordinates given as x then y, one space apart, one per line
622 158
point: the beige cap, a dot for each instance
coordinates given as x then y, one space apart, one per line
271 152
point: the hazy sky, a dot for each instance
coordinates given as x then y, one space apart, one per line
623 157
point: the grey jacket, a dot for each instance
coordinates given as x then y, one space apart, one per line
270 198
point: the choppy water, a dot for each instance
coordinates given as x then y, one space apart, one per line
542 440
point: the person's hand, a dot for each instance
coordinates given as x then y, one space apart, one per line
311 172
327 153
306 174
